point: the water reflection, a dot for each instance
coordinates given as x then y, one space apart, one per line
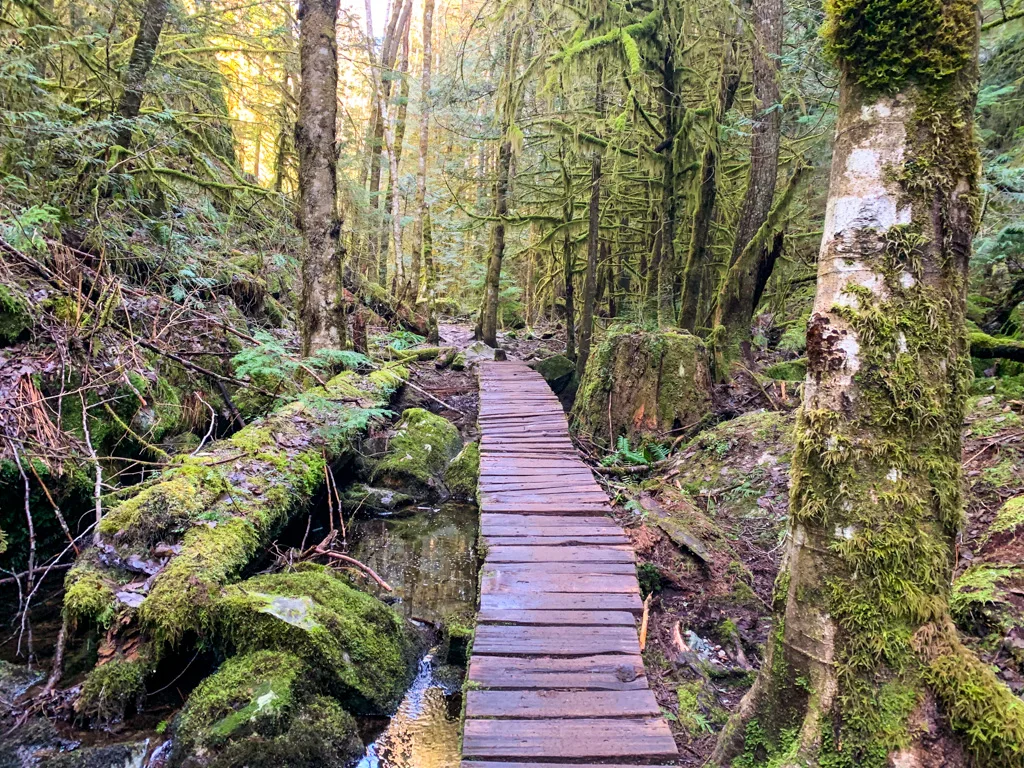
428 557
424 733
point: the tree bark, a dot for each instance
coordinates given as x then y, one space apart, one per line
864 666
489 313
396 132
322 309
735 298
151 24
593 240
419 250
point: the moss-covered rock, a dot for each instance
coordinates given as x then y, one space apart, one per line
263 709
558 371
359 649
113 690
88 595
643 384
368 498
15 320
463 473
418 455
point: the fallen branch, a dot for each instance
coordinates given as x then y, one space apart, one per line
352 561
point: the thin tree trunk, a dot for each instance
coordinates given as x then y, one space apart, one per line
593 241
735 298
392 201
864 666
322 310
419 260
697 258
151 24
489 314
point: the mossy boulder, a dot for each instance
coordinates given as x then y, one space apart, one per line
558 371
643 384
360 650
463 473
114 689
263 709
418 455
89 595
368 498
15 319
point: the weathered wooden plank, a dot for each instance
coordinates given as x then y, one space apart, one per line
548 704
505 764
552 541
508 640
552 521
568 738
611 553
558 601
607 672
563 618
563 508
510 583
561 566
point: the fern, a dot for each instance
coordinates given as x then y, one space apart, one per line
328 359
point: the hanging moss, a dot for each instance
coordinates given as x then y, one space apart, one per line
884 45
88 595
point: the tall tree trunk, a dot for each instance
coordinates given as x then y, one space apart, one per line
735 298
697 258
593 240
322 311
489 313
666 255
151 24
381 94
864 666
392 201
419 249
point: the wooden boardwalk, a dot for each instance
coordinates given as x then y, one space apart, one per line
556 674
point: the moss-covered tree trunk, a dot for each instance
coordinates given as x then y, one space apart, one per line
322 322
864 667
151 24
750 251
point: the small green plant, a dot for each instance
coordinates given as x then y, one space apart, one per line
399 340
645 455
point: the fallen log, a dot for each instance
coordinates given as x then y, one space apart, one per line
988 347
165 555
377 298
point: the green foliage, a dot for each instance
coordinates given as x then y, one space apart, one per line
647 453
113 689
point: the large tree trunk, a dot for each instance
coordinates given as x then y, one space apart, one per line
593 240
419 249
736 297
864 666
322 316
151 24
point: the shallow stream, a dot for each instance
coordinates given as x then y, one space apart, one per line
429 559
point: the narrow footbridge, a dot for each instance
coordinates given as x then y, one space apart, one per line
556 676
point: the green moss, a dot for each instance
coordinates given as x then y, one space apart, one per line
113 689
885 45
979 587
697 712
463 473
1009 518
183 593
788 370
88 596
358 646
418 454
15 320
557 370
164 511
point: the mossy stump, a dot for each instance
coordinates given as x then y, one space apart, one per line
643 384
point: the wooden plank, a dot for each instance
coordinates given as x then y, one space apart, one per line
532 521
505 764
504 582
563 601
568 738
508 640
562 508
546 704
607 672
566 566
552 541
565 618
612 553
555 531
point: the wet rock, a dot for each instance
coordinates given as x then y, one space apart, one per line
463 473
418 455
369 498
131 755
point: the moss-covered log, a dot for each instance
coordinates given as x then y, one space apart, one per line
864 667
989 347
643 384
166 555
418 455
380 301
